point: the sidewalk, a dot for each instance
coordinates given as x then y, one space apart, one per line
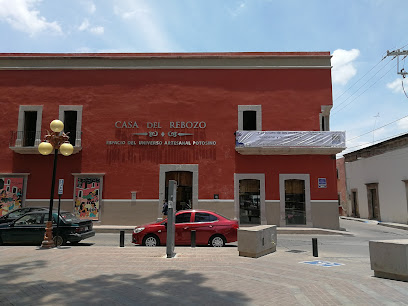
95 275
387 224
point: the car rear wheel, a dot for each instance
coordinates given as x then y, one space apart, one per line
151 241
217 241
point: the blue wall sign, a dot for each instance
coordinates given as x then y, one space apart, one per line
322 182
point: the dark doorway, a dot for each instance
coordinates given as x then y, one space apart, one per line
30 126
249 201
184 181
354 205
373 202
295 202
70 125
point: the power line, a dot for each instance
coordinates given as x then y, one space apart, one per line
360 78
378 128
383 139
364 90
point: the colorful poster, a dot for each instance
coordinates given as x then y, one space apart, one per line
87 191
11 194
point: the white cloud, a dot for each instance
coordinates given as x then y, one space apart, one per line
343 65
144 22
97 30
403 124
22 16
238 9
85 25
89 6
396 85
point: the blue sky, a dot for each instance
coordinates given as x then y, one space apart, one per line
367 91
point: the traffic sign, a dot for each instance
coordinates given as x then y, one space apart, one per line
61 186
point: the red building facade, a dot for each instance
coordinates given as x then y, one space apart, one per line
244 134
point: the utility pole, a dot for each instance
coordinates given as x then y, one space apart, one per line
397 53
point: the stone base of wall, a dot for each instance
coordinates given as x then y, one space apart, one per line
137 212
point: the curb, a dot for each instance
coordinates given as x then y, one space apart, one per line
387 224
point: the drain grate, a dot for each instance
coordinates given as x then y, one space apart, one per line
296 251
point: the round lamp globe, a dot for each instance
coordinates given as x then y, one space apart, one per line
45 148
66 149
57 126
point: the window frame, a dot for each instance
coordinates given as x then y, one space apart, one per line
257 109
78 109
21 122
324 117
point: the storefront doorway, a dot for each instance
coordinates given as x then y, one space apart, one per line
184 181
249 201
295 202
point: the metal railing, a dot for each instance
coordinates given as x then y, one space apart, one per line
34 138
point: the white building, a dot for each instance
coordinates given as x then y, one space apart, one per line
377 181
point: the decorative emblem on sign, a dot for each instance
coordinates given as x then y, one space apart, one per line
171 134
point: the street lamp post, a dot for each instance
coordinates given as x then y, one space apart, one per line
57 142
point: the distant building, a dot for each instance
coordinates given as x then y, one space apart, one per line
377 181
243 134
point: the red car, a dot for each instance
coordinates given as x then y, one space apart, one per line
211 228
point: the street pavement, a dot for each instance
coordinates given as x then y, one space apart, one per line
108 275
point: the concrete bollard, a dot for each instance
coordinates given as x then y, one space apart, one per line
315 251
193 239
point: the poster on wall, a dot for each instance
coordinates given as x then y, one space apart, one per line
87 191
11 194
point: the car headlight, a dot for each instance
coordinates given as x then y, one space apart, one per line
138 230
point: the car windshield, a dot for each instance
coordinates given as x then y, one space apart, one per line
69 217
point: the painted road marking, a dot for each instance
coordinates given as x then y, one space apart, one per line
322 263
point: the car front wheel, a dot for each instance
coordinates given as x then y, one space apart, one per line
58 241
151 241
217 241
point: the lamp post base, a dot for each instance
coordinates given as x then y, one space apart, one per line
48 242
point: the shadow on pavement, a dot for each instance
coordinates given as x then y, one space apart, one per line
22 287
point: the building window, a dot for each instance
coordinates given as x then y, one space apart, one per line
249 117
30 123
29 126
70 122
71 116
324 117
